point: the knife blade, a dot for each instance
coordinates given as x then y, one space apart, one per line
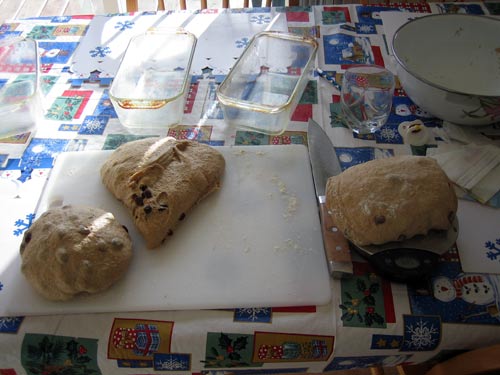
324 164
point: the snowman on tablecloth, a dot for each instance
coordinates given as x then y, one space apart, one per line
476 289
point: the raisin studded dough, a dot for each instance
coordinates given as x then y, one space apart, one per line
391 199
160 179
74 250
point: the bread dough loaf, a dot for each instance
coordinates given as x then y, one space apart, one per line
74 250
160 180
391 199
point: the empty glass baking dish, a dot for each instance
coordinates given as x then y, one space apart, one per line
152 82
265 85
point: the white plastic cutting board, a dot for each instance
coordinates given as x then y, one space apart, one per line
254 243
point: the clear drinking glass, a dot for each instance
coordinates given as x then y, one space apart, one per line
366 97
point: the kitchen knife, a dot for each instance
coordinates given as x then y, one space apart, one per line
324 163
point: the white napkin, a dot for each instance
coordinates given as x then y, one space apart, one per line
475 168
108 36
479 249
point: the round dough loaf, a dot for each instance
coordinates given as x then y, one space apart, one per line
74 250
391 199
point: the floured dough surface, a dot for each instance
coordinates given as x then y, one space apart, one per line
159 180
74 250
391 199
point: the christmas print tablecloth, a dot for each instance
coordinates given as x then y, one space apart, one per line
369 319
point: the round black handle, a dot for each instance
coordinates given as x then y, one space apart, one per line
404 265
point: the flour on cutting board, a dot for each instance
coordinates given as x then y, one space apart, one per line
274 187
293 244
289 197
234 244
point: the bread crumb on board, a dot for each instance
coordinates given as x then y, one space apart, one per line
292 244
290 198
242 152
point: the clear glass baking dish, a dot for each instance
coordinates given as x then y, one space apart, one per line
266 83
20 98
153 79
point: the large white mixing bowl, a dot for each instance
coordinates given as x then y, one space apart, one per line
449 65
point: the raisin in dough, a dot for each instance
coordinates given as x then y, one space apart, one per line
391 199
160 179
74 250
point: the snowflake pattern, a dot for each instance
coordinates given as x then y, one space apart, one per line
94 125
10 324
493 255
122 26
100 51
388 134
60 19
242 43
171 362
23 225
260 314
364 28
422 333
260 19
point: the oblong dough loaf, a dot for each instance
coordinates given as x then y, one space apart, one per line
391 199
73 250
160 179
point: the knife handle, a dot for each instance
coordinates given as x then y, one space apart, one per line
336 245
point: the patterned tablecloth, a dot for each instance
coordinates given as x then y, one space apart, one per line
368 321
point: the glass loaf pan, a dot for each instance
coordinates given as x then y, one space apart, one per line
21 104
152 82
265 85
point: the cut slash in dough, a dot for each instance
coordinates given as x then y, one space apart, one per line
160 179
